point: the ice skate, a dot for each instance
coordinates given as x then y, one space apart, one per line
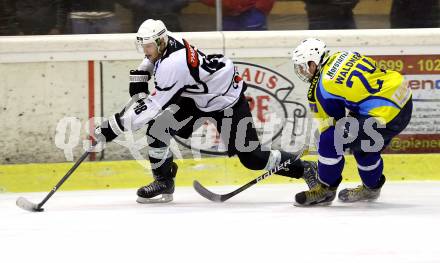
361 193
319 195
310 174
160 190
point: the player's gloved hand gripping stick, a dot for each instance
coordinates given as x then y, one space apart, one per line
138 88
102 134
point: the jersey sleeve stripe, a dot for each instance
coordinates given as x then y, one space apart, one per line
332 105
368 105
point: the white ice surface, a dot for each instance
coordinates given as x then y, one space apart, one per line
258 225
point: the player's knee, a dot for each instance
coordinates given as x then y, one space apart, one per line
363 155
252 160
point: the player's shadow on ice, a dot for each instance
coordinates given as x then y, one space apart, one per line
249 206
368 206
175 206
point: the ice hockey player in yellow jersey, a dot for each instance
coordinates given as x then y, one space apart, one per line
359 106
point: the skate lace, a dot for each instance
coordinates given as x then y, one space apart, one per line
355 192
310 175
316 193
154 186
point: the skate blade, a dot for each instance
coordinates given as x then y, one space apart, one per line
312 205
369 200
165 198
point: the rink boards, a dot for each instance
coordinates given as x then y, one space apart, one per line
73 80
209 171
84 77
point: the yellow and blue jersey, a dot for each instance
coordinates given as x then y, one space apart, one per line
351 81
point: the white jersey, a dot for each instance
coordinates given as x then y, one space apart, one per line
211 81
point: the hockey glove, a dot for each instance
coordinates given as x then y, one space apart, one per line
139 82
109 129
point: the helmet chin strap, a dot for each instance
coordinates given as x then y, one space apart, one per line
319 66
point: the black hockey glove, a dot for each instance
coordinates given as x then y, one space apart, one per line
109 129
139 82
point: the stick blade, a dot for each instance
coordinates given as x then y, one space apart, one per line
206 193
27 205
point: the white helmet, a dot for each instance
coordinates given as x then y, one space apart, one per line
151 31
311 49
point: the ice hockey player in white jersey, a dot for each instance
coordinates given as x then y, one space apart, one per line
189 86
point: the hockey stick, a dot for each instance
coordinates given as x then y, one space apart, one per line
203 191
32 207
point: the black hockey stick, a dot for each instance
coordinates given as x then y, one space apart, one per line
32 207
221 198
